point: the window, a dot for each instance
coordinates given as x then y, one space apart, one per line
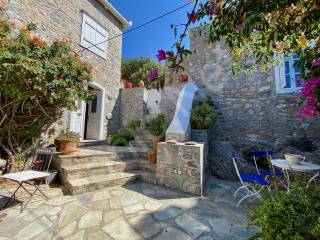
94 36
94 103
287 76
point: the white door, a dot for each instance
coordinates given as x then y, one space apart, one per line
93 118
77 117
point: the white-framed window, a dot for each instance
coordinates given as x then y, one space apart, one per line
287 75
94 36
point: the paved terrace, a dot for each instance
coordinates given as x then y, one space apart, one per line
134 211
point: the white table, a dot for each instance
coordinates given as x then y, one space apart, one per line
304 167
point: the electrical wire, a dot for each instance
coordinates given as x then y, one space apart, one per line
138 27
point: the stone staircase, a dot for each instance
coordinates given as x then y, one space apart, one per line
97 167
142 139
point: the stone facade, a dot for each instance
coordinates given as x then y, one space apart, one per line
252 113
61 19
183 167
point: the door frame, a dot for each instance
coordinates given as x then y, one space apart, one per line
101 107
100 111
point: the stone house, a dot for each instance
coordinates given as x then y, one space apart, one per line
253 108
86 23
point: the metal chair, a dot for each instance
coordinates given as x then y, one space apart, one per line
37 174
265 172
249 182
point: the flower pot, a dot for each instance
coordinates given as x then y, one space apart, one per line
127 85
152 157
183 78
141 84
67 147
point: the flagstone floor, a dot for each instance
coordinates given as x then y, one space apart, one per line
134 211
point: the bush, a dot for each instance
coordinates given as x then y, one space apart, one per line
38 81
262 162
126 135
158 125
138 69
203 116
68 136
288 215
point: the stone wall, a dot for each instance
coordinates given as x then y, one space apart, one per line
251 111
182 167
60 19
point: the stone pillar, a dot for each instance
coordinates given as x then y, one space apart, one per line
183 167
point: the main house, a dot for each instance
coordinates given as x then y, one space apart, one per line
88 24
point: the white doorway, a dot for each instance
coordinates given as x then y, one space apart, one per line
88 119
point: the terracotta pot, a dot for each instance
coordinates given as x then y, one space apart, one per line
67 147
183 78
152 157
155 140
169 79
127 85
141 84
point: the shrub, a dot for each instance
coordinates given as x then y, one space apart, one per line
203 116
262 161
38 81
158 125
68 136
138 69
126 135
288 215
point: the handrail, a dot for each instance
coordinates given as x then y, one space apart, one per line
179 128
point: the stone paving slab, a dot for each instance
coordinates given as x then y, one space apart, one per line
134 211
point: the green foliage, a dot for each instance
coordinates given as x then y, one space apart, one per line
126 135
38 81
158 125
262 161
203 116
138 69
68 136
293 215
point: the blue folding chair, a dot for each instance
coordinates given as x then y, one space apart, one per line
249 183
266 172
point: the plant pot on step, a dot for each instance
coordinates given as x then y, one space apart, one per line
152 157
68 147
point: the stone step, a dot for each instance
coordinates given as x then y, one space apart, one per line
86 143
70 160
93 183
145 176
136 143
76 171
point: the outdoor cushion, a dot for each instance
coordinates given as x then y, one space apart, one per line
253 178
270 172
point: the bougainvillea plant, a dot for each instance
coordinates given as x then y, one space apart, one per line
264 31
38 81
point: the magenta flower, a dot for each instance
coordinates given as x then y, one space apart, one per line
192 17
161 55
240 26
213 12
218 1
316 63
308 111
309 87
153 74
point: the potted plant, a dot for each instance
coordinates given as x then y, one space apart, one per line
127 85
157 127
203 117
68 141
141 84
152 156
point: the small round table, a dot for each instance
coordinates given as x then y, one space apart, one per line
304 167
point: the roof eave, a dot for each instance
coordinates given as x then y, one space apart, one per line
125 23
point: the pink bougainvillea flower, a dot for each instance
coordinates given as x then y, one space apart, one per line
316 63
192 17
218 1
153 74
161 55
308 111
13 25
240 26
309 87
213 12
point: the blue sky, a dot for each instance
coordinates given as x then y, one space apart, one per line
147 40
